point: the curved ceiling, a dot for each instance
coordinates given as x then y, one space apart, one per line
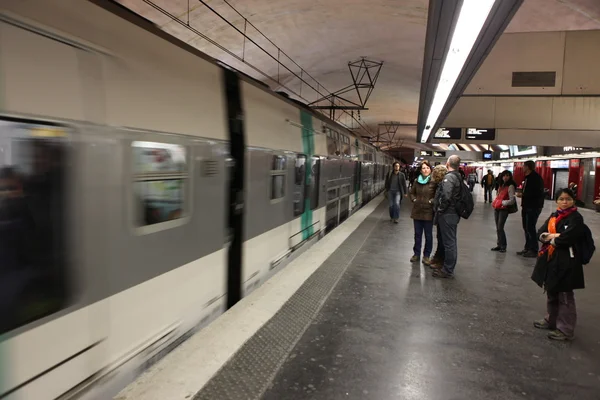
322 36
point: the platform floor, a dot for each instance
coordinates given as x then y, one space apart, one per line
390 330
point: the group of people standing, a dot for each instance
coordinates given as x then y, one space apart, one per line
559 268
434 194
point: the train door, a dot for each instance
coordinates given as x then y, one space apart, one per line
49 298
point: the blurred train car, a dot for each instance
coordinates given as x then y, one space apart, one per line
141 183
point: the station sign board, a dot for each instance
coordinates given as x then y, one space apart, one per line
439 154
481 134
504 155
487 155
448 133
425 153
559 164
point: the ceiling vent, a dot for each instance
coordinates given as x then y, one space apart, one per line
534 79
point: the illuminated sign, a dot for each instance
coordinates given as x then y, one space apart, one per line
571 148
504 154
487 155
439 154
449 133
425 153
481 134
559 164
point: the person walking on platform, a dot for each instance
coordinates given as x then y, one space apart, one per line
504 203
488 183
395 187
437 176
472 180
559 268
422 194
532 204
446 207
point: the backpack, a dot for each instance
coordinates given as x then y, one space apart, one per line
465 204
586 248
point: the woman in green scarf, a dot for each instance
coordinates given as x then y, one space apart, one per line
422 194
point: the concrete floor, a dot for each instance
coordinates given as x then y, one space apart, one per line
390 330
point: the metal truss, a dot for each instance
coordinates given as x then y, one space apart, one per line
364 74
386 135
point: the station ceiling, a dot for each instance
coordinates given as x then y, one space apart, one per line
322 36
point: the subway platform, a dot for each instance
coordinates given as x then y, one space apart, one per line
368 324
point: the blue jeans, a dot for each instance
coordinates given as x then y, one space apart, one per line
420 226
394 199
530 217
448 226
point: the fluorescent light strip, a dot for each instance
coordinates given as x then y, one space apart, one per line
473 14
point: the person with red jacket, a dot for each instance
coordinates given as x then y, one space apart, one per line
504 199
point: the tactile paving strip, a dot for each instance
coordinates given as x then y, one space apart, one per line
250 371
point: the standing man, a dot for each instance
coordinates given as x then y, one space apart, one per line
531 206
395 187
446 199
488 183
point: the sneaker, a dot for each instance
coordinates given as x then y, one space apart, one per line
497 248
558 335
414 259
541 324
395 221
426 261
440 273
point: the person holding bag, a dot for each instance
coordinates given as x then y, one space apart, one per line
559 266
504 204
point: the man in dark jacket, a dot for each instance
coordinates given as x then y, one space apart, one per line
446 199
395 187
488 183
532 204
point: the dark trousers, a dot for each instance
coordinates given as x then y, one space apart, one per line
530 217
562 313
420 227
500 217
487 190
448 226
440 252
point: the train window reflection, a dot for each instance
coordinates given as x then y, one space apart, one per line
299 184
160 174
33 224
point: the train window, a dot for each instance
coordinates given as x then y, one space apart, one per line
299 184
315 169
160 178
278 166
33 223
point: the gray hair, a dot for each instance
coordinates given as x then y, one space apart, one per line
454 162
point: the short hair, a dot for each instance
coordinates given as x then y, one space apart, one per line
454 161
530 164
566 191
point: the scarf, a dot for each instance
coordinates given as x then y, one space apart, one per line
555 218
422 180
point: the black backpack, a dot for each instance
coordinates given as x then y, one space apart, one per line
465 204
586 248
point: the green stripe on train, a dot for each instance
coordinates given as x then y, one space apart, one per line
308 148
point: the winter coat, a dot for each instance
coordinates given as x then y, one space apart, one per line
422 196
563 272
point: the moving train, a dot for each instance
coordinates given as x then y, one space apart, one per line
145 188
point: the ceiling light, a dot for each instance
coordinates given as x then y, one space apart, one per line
473 15
503 147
